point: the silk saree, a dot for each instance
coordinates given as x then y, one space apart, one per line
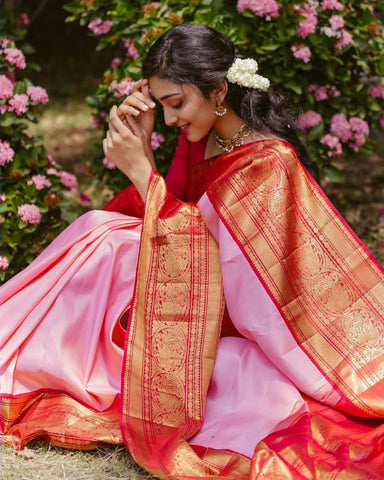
236 335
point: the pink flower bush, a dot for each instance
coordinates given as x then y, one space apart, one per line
68 180
332 5
40 181
334 145
308 120
108 163
4 264
301 52
123 88
355 131
131 49
346 39
6 87
29 213
323 92
156 140
116 62
262 8
99 27
15 57
6 153
19 103
376 91
337 22
340 127
38 94
308 25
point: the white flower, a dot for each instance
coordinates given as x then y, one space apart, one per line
243 72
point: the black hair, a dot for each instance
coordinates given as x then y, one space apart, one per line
199 55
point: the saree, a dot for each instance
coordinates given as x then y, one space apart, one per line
297 393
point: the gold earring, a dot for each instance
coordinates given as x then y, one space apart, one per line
220 109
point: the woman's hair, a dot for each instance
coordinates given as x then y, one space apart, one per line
199 55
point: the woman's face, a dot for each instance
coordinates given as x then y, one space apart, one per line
185 107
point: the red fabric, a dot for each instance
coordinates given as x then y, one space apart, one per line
186 155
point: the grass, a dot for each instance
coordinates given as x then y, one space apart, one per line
42 461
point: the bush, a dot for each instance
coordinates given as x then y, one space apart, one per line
32 185
327 55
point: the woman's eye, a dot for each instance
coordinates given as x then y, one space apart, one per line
178 105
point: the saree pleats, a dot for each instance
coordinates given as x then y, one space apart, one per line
174 330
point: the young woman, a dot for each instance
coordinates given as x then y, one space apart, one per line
224 323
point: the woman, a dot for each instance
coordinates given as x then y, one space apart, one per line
245 318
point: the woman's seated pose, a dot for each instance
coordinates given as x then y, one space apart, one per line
224 322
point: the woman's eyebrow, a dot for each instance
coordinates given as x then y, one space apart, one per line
164 97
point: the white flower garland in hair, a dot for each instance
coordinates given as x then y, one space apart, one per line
243 72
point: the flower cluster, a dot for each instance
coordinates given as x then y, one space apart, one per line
353 132
243 72
99 27
262 8
30 197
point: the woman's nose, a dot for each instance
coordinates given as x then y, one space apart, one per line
169 118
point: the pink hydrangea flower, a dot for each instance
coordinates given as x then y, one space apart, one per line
334 145
68 180
359 125
262 8
38 94
323 92
5 42
4 264
100 27
6 87
308 25
376 91
131 49
6 153
346 39
29 213
337 22
15 57
340 127
156 140
300 52
24 18
332 5
40 182
123 88
108 163
52 171
19 103
116 62
308 120
3 197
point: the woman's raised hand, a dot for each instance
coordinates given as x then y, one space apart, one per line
140 108
128 140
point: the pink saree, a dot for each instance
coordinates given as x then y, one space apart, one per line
296 391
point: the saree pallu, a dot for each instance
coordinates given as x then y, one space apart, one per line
305 296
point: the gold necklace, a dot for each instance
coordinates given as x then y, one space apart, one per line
228 144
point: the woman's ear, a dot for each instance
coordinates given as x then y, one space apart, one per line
220 91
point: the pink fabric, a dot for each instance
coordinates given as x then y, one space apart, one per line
256 381
58 328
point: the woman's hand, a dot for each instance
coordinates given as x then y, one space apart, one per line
140 108
125 146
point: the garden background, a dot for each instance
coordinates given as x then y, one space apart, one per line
63 173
